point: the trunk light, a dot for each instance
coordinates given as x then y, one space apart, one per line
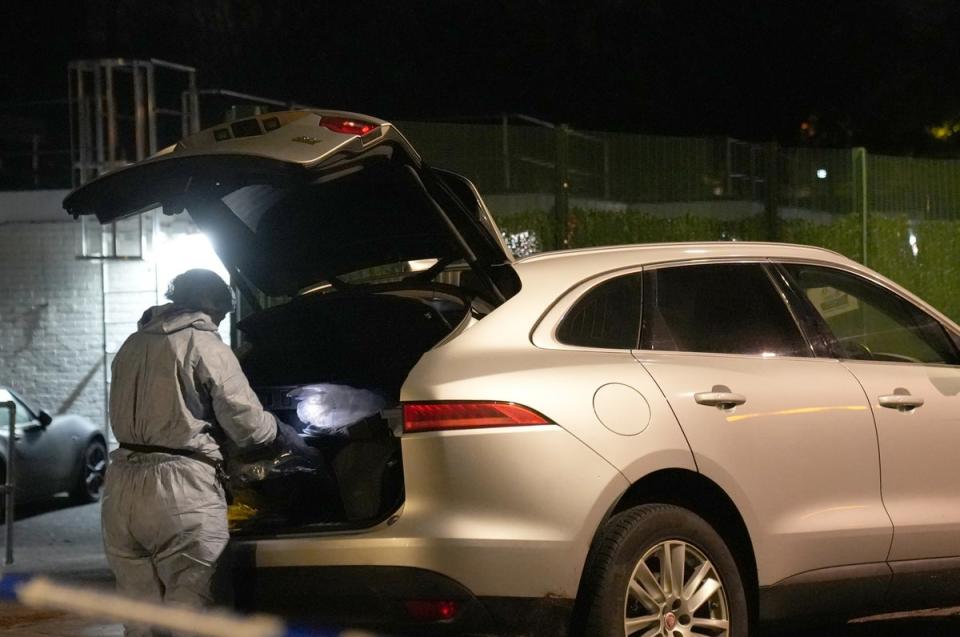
429 610
467 415
347 126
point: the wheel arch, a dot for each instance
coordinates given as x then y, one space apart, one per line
699 494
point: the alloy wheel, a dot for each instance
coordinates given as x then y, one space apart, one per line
675 591
95 466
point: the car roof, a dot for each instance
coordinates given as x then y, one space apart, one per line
547 275
643 253
567 264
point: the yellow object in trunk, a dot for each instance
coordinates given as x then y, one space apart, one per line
243 508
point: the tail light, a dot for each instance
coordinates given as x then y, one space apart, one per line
467 415
432 610
347 126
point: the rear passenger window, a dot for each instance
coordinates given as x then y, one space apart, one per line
718 308
608 316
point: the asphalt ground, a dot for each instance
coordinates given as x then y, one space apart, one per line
63 541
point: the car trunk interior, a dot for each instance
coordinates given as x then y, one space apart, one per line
329 364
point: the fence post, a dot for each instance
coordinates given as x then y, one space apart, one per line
505 125
606 167
561 199
859 156
772 192
35 161
8 487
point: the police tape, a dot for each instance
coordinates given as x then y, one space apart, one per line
41 592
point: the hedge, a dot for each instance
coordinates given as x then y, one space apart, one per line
932 273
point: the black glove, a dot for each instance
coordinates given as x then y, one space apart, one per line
289 440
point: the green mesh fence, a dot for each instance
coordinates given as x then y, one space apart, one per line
674 168
932 272
815 181
625 188
917 188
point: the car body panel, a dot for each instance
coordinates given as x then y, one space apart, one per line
802 465
48 457
561 384
920 454
481 511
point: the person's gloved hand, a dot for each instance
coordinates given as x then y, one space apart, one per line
289 440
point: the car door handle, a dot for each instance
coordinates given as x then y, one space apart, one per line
720 399
900 402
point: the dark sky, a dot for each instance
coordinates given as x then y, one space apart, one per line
872 72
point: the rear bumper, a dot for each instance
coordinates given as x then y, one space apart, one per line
500 520
373 597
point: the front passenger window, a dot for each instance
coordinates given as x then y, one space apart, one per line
870 322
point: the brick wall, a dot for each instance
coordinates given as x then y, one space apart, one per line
51 323
52 304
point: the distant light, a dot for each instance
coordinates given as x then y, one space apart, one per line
912 239
821 173
768 354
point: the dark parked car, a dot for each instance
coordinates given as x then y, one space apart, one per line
54 453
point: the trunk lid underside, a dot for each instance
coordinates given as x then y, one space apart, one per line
288 206
286 219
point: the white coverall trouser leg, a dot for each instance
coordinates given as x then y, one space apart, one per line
164 529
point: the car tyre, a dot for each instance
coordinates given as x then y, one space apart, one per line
631 590
93 466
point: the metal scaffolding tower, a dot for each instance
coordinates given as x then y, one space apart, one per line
117 107
122 111
118 110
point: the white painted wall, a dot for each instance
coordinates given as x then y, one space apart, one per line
51 343
52 321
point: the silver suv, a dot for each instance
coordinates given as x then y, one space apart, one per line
674 440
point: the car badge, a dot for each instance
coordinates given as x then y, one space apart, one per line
669 621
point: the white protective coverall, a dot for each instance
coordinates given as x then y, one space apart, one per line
164 516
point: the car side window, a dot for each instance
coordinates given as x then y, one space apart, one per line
608 316
870 322
718 308
23 416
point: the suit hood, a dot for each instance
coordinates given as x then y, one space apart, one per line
170 318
